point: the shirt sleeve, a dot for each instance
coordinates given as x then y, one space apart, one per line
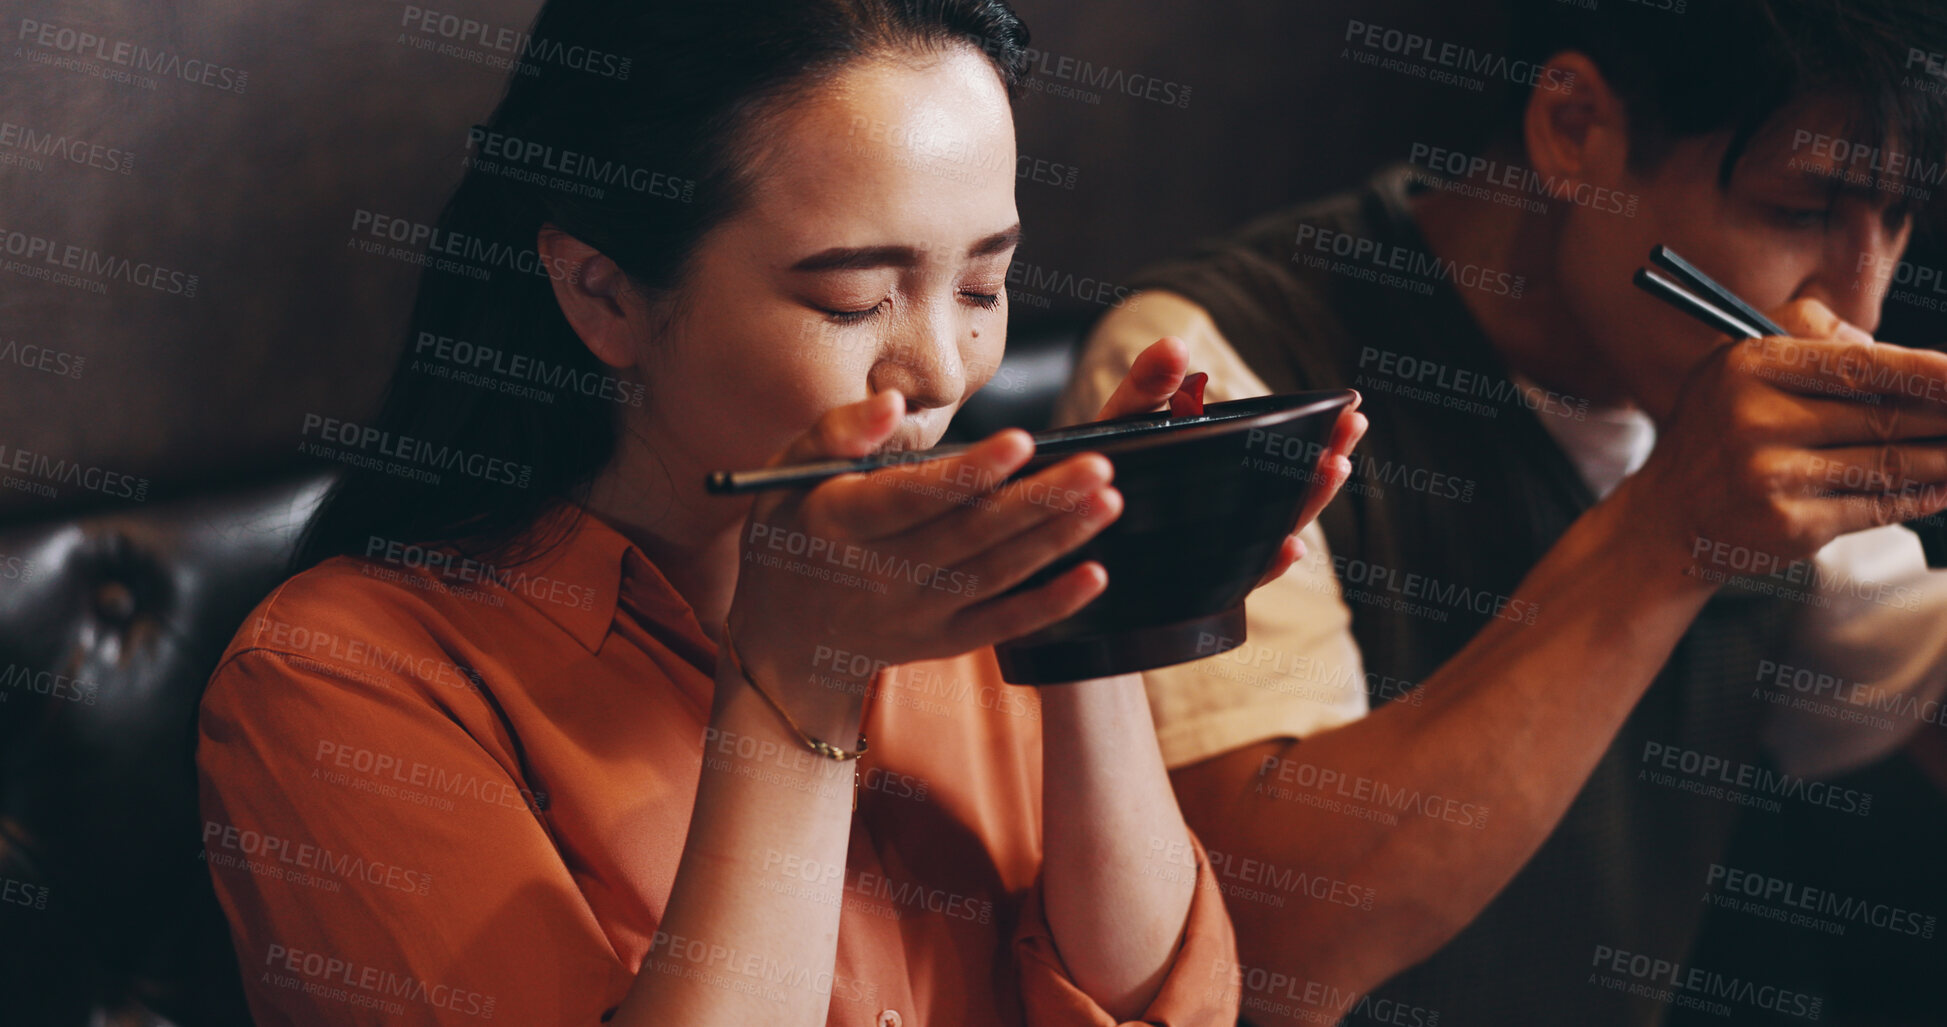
1299 670
378 865
1866 661
1198 991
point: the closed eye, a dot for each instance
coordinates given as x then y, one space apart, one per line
1801 217
851 317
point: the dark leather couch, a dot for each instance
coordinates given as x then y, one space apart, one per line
110 625
109 629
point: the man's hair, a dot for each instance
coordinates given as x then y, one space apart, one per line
1734 65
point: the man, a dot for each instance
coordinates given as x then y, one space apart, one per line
1481 754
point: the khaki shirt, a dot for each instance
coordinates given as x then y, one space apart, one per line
1300 671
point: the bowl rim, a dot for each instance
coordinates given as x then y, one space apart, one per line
1146 431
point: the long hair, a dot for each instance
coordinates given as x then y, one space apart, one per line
630 125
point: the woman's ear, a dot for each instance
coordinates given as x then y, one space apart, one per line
1576 127
594 297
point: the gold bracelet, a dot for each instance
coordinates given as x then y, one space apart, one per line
822 748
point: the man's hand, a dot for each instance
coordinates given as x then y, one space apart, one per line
1779 445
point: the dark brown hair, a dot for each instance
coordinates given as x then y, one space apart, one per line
1686 68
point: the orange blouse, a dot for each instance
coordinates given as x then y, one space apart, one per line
453 794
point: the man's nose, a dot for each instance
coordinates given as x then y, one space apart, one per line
1856 271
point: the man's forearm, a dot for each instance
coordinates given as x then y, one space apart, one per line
1510 728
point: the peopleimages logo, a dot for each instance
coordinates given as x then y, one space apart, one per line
1065 76
875 568
1817 908
1038 281
282 856
1676 984
1427 51
28 140
86 45
41 255
1360 788
471 255
1417 270
44 472
1390 588
1847 697
1462 169
1295 456
1747 784
361 984
565 170
516 374
502 47
1461 381
1277 992
361 441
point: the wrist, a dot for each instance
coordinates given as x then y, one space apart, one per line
748 743
1121 691
1647 549
804 698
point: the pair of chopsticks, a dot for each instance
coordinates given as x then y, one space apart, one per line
1694 293
1186 403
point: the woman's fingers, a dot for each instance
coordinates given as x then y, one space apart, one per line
901 499
1154 376
852 430
1013 560
1067 489
1005 617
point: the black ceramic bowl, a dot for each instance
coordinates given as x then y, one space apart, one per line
1208 500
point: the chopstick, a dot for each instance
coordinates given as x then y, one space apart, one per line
731 483
1675 295
1698 282
1710 303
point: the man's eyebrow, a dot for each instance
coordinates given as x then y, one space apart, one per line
1837 186
857 258
1837 182
1894 205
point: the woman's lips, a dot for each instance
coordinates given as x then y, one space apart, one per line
911 434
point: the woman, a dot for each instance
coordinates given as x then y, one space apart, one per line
557 738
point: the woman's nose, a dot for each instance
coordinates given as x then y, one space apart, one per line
924 364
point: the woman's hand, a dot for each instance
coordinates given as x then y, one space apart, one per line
867 571
1158 372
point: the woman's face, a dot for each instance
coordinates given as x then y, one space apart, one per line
872 255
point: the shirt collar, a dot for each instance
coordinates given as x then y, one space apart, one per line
578 584
1606 444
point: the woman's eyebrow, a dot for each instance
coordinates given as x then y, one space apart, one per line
856 258
999 242
843 258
